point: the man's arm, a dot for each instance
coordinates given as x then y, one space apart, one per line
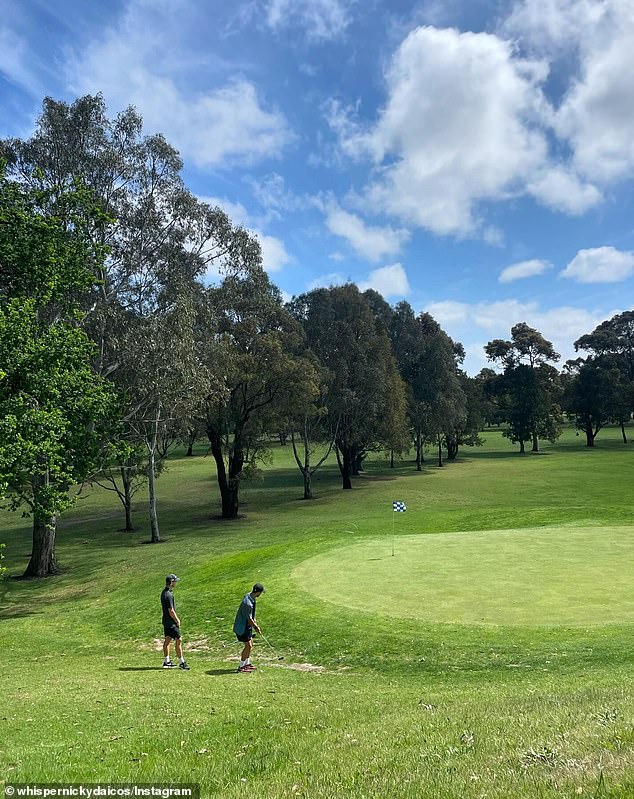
177 621
254 624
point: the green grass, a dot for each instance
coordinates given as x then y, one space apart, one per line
389 703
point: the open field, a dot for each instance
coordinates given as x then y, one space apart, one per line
491 657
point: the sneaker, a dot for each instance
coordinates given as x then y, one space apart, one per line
250 667
169 665
244 670
183 666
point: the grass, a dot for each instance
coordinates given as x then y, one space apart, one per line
392 699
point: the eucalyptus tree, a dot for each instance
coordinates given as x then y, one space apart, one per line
366 396
162 243
427 360
56 413
530 399
593 395
259 347
612 346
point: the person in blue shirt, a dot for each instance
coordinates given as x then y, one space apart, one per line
245 624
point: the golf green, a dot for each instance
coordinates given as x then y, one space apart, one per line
544 576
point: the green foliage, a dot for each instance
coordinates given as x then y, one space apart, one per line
54 410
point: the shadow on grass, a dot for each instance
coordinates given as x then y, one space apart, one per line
143 668
220 672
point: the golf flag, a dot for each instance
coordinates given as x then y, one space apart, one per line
399 507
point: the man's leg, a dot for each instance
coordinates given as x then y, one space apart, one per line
246 653
179 648
166 649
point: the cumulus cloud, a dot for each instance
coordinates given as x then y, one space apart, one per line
523 269
596 114
320 19
474 324
463 123
212 127
370 242
389 281
600 265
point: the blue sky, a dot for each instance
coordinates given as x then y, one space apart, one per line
474 157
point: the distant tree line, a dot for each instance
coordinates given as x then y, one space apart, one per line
116 343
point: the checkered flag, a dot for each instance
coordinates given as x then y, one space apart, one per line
399 507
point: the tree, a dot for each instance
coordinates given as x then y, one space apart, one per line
365 397
426 357
260 349
55 412
612 345
161 244
530 400
592 394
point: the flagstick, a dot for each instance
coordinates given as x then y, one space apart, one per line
393 515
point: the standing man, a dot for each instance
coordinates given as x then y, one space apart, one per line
245 624
171 625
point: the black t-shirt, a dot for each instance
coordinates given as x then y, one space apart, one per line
167 602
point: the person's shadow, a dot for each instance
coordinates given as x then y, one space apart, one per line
218 672
141 668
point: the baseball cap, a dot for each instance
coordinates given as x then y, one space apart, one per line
258 588
172 578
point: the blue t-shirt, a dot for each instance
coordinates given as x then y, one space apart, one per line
245 612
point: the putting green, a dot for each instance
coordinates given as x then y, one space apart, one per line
544 576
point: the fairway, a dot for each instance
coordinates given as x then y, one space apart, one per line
571 576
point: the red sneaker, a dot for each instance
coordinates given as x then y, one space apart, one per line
244 670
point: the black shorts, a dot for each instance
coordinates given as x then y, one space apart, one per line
245 637
172 631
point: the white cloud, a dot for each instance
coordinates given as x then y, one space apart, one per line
476 324
372 243
213 127
466 121
600 265
274 253
16 62
389 281
596 114
324 281
523 269
321 19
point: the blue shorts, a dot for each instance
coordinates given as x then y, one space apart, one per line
245 637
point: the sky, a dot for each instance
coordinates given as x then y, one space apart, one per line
472 157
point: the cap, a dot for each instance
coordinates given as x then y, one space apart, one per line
172 578
258 588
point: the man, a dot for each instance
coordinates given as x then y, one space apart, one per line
245 624
171 625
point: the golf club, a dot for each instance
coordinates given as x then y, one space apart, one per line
279 657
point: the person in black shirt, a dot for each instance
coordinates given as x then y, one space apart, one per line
171 625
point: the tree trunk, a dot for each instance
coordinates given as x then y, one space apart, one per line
191 438
419 451
228 485
391 459
308 486
43 562
590 434
522 450
126 479
345 466
623 432
154 524
440 463
535 442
